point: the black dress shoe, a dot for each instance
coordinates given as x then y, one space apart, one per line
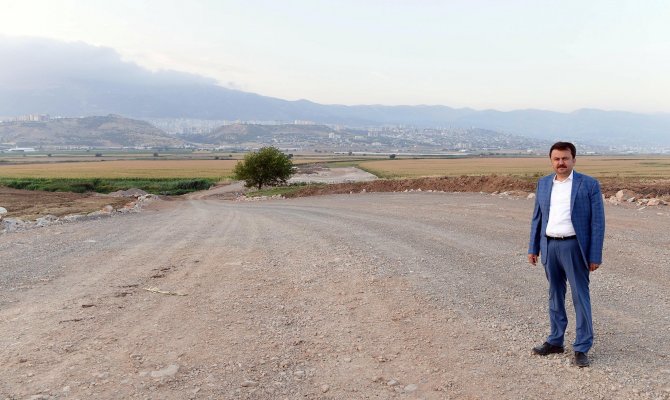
581 359
547 349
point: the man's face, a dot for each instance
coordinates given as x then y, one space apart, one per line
562 162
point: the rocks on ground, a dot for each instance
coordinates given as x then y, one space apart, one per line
17 224
628 196
133 192
259 198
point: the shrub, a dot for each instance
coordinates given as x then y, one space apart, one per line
267 166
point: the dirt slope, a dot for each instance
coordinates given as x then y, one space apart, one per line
368 296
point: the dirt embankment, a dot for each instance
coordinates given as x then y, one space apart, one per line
30 205
488 184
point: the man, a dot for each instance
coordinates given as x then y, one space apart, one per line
568 230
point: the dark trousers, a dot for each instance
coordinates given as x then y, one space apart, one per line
565 262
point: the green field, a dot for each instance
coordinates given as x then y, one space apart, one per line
165 186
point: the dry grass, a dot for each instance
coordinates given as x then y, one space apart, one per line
603 167
91 167
623 167
216 169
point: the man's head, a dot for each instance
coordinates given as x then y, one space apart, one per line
563 158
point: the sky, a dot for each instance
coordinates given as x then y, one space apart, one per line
484 54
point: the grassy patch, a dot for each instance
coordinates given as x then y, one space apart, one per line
165 186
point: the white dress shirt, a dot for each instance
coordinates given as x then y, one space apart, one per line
560 221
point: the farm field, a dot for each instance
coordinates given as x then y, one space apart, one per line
84 156
216 169
200 165
76 156
651 167
601 167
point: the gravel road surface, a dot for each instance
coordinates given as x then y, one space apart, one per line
334 175
364 296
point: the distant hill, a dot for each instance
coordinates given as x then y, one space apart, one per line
595 126
244 133
109 131
57 78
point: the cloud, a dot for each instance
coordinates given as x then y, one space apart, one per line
30 63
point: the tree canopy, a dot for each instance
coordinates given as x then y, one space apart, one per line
267 166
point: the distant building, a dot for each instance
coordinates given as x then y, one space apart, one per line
21 149
33 118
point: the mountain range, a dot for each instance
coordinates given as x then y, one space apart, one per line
40 76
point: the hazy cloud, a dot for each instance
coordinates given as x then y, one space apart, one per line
37 63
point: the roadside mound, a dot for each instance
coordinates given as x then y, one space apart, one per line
33 204
489 183
645 187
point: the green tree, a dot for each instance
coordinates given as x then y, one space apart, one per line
267 166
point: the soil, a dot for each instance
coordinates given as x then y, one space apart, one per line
30 205
318 174
362 296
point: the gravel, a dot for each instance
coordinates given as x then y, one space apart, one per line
385 295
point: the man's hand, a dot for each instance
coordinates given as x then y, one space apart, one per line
532 258
593 267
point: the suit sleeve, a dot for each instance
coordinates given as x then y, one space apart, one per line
535 225
597 224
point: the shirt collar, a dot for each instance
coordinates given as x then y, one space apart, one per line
565 181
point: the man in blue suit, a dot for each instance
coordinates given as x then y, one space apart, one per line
568 230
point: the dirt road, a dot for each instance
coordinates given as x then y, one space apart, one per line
366 296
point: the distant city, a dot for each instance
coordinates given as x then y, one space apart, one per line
399 138
296 136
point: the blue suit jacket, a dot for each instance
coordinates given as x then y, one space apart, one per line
587 212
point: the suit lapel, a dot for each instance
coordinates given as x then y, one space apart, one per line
576 183
549 186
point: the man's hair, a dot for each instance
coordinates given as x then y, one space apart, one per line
564 146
